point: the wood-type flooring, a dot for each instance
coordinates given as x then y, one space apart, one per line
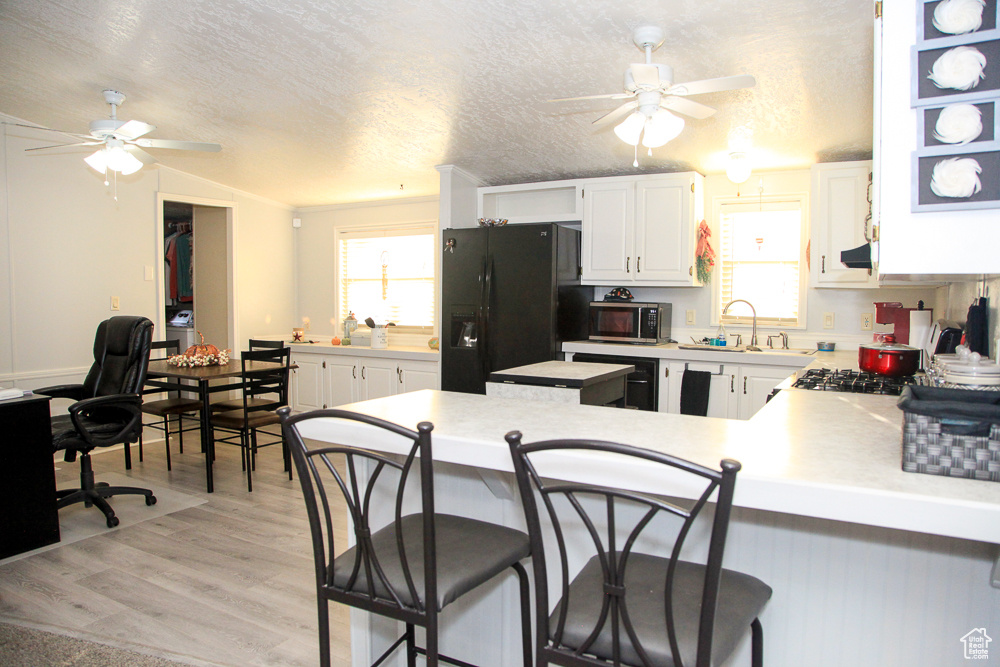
229 582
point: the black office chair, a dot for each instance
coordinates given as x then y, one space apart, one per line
626 607
264 391
393 571
177 406
107 410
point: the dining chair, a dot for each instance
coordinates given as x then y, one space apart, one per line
175 405
276 349
636 598
264 390
415 565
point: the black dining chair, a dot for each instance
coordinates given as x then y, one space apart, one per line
635 601
419 562
277 350
107 409
264 390
163 409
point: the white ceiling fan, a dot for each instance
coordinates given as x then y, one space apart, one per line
653 95
122 142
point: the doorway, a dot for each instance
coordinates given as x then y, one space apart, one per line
197 286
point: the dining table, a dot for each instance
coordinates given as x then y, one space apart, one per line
207 380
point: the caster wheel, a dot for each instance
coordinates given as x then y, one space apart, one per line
112 521
150 500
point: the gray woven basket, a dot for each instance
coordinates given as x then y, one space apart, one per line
927 448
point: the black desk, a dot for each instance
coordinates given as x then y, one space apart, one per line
28 517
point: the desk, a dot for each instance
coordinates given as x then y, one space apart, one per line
203 375
28 518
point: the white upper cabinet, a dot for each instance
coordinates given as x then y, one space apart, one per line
838 221
641 230
956 241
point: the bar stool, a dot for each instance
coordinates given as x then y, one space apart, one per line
626 607
417 564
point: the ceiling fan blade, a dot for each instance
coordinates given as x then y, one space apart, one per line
687 107
713 85
49 129
614 115
645 76
179 145
134 129
613 96
140 154
82 143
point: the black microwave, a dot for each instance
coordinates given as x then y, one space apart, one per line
629 322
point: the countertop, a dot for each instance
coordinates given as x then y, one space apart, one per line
836 359
827 455
561 373
412 352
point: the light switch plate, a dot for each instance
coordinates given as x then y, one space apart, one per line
827 320
689 317
148 273
115 304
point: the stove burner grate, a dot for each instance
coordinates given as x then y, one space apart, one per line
858 382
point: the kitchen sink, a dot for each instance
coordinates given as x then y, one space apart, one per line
742 348
791 350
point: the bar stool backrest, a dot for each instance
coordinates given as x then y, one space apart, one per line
318 471
617 525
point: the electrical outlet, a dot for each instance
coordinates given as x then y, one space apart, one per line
306 324
115 305
827 320
866 321
689 317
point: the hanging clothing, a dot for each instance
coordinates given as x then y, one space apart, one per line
184 270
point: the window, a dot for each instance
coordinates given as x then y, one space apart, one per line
388 275
762 260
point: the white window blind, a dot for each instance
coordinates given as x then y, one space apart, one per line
761 261
387 275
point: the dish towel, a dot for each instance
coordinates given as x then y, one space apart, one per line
695 386
977 328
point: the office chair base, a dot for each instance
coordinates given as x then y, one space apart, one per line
95 494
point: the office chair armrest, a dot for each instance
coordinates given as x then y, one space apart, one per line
72 391
129 406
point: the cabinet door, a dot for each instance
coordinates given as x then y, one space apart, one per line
341 381
755 384
307 382
416 375
839 210
378 378
722 397
608 223
664 253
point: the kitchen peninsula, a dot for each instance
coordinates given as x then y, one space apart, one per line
870 565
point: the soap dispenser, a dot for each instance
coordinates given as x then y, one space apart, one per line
720 336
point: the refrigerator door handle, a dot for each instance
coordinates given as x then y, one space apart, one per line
484 343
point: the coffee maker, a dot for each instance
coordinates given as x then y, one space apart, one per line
910 326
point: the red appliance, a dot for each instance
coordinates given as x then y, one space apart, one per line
893 313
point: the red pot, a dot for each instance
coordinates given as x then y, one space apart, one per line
889 358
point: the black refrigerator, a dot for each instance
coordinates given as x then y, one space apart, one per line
510 296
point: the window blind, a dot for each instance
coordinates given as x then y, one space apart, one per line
387 275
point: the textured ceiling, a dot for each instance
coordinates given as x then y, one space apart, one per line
329 101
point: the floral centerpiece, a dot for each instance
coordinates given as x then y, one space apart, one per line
200 355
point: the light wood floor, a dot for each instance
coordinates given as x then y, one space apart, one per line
229 582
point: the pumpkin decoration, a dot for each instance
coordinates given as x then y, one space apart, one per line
201 354
335 341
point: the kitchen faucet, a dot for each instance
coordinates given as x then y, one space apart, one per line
784 340
753 332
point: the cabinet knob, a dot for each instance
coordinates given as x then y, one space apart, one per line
638 264
732 384
628 261
354 372
363 373
822 264
399 374
744 385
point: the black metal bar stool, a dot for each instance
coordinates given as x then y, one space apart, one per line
412 568
626 607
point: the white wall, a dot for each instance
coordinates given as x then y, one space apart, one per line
316 270
66 246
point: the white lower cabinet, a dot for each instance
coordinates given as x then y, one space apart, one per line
735 392
329 380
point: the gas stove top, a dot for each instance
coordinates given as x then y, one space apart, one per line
858 382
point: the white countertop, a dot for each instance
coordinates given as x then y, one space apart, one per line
552 372
817 454
412 352
768 357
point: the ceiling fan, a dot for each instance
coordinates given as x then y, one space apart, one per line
653 95
122 142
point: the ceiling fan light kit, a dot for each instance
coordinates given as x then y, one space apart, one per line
738 169
114 157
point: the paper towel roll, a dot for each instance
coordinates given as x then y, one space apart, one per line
920 328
